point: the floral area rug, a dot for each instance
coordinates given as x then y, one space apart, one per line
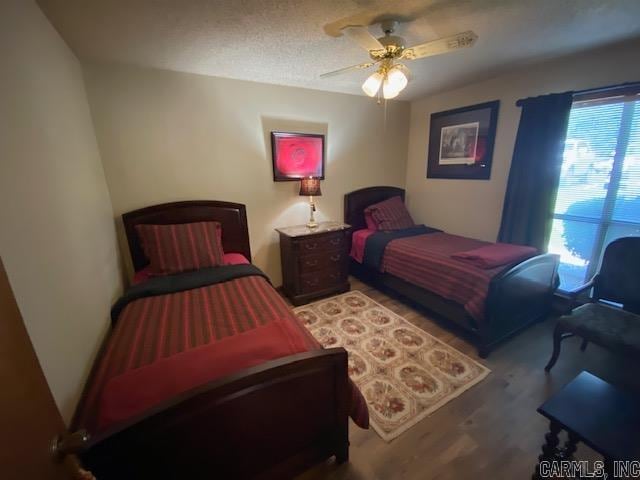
403 372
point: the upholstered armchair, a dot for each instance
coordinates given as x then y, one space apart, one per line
600 320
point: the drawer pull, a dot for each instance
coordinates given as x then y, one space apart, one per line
310 263
312 283
334 276
311 246
335 258
335 241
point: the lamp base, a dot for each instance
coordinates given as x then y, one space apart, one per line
312 208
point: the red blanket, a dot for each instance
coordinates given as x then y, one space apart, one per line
122 398
190 325
425 261
495 255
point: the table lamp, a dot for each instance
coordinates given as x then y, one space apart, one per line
310 187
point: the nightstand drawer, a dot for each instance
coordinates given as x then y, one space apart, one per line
319 261
321 243
321 280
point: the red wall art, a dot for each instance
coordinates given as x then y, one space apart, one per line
297 155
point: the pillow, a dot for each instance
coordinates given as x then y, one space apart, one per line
390 214
182 247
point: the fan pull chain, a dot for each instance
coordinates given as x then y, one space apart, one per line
384 118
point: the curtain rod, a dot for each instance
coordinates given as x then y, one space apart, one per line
607 88
588 91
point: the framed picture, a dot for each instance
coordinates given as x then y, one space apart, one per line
461 142
297 155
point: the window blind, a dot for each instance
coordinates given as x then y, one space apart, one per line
599 193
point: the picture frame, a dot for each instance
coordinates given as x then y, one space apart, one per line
297 155
461 142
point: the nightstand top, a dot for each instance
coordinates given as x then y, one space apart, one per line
303 230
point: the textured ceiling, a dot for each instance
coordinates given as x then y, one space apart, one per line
291 42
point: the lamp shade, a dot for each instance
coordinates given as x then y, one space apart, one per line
310 187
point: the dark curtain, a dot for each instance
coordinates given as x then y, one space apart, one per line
535 170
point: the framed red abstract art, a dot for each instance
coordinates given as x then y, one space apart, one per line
297 155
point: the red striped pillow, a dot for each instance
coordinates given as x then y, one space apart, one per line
182 247
390 214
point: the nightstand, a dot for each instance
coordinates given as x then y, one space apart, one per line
314 261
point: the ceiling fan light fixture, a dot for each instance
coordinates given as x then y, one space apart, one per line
388 93
372 84
397 79
389 49
394 82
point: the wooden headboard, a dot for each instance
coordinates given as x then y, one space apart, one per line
355 202
232 216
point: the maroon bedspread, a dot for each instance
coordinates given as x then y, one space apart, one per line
425 261
161 328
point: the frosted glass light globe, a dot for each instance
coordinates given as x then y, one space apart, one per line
372 84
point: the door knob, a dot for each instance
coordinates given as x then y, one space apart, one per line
69 443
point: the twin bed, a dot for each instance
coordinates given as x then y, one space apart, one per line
422 265
210 371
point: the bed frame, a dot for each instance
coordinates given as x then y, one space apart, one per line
273 420
518 296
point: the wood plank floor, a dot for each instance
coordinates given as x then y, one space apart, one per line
491 431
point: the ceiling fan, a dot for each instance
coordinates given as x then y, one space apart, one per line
386 51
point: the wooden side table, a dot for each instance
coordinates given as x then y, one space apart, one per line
314 260
592 411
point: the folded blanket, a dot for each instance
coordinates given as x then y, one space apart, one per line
495 255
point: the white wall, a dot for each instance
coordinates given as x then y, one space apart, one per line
167 136
474 207
57 236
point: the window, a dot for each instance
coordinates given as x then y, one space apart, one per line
599 193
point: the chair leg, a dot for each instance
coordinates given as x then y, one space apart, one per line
584 344
558 336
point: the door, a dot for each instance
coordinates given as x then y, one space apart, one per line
29 418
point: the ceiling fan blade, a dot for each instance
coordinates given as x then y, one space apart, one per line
375 11
348 69
442 45
362 37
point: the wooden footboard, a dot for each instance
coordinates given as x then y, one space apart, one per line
269 421
518 297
